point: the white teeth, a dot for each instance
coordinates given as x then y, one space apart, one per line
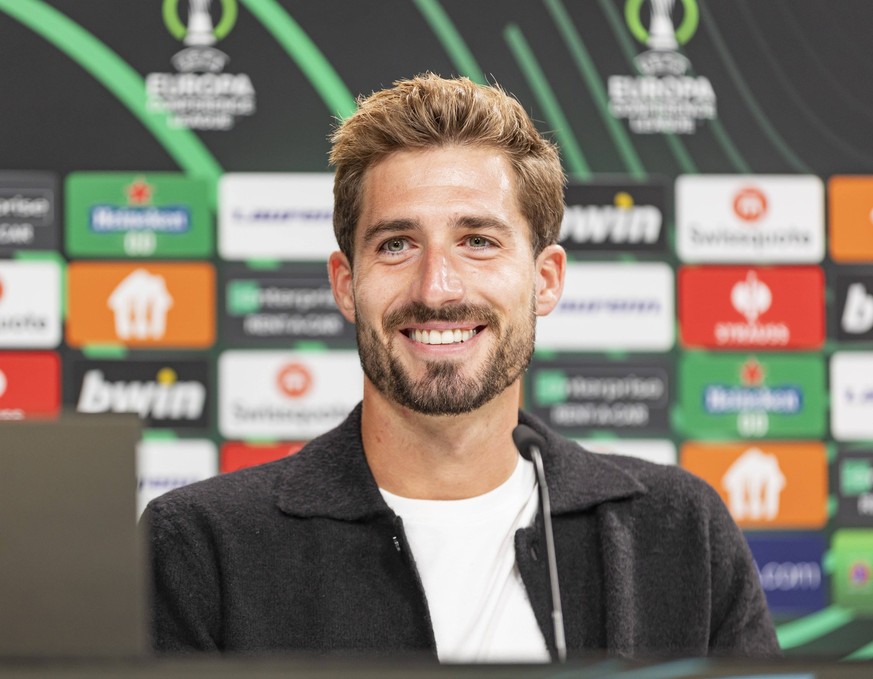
442 336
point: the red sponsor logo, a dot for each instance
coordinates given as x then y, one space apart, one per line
294 380
752 307
750 204
236 456
30 385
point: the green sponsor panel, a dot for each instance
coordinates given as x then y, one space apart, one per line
243 297
729 396
550 387
852 577
157 214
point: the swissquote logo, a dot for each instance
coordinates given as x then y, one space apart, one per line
614 217
750 218
714 299
201 95
164 394
286 395
772 485
663 98
30 304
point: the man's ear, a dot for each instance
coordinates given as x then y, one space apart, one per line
551 265
340 272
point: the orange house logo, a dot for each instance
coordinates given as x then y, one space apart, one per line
765 485
141 305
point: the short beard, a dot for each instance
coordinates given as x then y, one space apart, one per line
444 390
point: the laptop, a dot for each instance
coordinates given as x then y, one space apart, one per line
72 567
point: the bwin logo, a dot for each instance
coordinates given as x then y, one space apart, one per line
163 399
620 223
858 311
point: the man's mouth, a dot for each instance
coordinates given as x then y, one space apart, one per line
448 336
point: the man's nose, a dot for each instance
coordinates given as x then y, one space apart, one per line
440 281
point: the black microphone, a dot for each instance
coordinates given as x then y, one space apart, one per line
529 444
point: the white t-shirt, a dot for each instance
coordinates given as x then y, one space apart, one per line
465 553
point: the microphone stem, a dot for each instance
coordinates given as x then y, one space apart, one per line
557 613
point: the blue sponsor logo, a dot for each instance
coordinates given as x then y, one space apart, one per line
791 572
720 399
164 219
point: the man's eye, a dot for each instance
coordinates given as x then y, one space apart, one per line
394 245
478 242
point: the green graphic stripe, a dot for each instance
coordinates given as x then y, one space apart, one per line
775 138
452 42
799 632
595 86
120 79
318 70
538 83
863 653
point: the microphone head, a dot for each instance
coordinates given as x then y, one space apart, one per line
524 438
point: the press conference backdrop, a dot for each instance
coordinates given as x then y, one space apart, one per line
165 216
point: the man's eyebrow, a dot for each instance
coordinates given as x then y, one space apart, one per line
388 226
488 223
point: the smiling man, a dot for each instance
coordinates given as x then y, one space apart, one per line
414 525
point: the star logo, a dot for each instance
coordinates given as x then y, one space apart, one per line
139 192
752 373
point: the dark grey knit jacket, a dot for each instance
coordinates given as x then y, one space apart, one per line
303 554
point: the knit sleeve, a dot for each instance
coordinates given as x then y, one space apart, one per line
741 623
185 604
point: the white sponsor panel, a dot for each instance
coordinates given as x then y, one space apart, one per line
286 216
162 465
851 392
659 451
30 304
605 307
750 218
286 395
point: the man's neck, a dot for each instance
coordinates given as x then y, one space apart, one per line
448 457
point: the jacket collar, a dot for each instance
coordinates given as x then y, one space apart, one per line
330 477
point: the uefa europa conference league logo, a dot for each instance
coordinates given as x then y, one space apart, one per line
200 95
662 98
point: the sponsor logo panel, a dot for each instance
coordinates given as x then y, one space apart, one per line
852 395
791 571
141 305
575 397
765 485
851 218
286 216
852 577
28 211
201 94
163 465
30 385
750 218
854 307
118 214
666 97
749 396
740 307
282 306
659 451
165 394
30 304
614 218
236 455
853 483
286 395
608 307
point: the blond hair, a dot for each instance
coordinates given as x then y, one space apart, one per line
429 111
